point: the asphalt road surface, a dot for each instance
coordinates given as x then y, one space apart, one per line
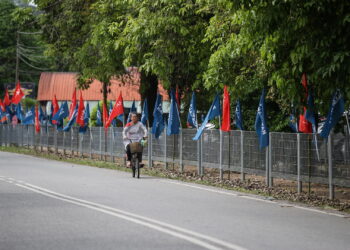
54 205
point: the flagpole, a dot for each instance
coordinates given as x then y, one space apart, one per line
221 146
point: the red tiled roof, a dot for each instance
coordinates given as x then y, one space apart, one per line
62 85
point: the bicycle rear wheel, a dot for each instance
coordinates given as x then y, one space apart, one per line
137 168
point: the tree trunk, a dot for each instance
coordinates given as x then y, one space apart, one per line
148 89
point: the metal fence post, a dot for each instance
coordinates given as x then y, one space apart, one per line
199 156
149 148
165 149
267 164
64 143
221 155
91 138
270 161
111 145
242 156
56 144
100 143
180 151
300 184
330 167
80 141
71 142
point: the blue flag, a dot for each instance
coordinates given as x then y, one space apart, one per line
114 121
192 112
86 119
293 123
62 113
9 114
260 123
132 110
98 116
121 118
144 116
238 116
158 121
214 111
335 113
174 117
72 119
42 115
29 117
310 112
19 112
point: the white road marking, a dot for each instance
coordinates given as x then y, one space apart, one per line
182 233
254 198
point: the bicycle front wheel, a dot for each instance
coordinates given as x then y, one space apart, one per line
137 168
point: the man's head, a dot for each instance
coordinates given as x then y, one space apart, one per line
134 117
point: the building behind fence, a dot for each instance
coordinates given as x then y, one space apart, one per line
290 156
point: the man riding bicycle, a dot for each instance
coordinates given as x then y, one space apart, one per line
133 131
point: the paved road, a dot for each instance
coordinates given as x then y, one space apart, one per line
54 205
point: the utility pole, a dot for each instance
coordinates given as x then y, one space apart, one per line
17 59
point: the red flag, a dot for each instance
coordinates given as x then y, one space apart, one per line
177 97
37 121
226 121
118 109
304 125
55 108
104 114
7 100
17 96
73 104
2 106
80 116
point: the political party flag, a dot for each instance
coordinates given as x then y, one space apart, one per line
37 121
238 116
9 114
310 112
178 100
54 109
260 123
144 115
114 121
192 112
18 94
98 116
29 117
304 125
19 112
86 119
71 119
335 113
73 104
7 100
158 121
62 113
174 116
104 113
42 116
226 116
118 109
132 110
214 111
80 116
293 123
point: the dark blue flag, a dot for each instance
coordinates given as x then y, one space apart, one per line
42 116
62 113
132 110
214 111
86 119
144 116
121 118
29 117
293 123
238 116
19 112
158 121
335 113
260 123
174 116
72 119
98 116
9 114
192 112
310 112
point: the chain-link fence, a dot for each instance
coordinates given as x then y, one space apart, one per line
300 157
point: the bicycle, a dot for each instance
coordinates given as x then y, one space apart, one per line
136 149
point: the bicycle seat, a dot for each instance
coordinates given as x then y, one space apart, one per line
136 147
